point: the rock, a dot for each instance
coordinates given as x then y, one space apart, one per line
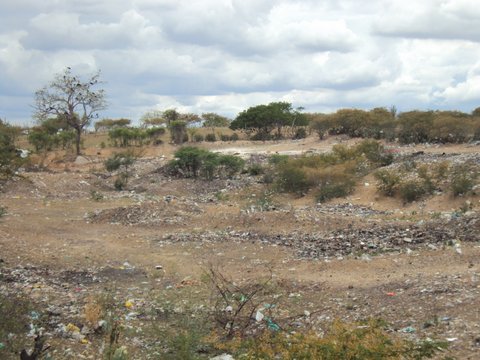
81 160
223 357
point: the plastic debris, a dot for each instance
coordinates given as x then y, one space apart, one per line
271 325
458 247
129 304
391 293
72 328
2 346
259 316
408 330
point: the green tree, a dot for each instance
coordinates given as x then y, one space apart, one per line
213 120
178 131
263 119
320 123
107 124
9 160
68 95
415 126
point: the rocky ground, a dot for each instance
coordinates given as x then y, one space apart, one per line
68 239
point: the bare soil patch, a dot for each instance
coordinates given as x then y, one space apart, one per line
365 256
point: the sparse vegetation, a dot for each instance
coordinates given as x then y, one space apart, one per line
211 137
195 162
463 179
331 175
121 161
9 159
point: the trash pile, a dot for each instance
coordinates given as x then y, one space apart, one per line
377 237
171 210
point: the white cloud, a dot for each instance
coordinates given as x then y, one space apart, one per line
226 55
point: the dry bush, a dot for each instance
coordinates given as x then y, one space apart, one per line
93 311
360 341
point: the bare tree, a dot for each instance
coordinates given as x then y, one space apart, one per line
67 95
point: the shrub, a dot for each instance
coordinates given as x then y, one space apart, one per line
291 178
198 138
120 182
321 124
96 196
194 162
255 169
231 164
210 137
234 137
224 137
261 136
415 126
121 161
277 159
411 190
463 179
448 128
360 341
300 133
14 312
124 137
178 131
333 183
375 152
387 181
9 159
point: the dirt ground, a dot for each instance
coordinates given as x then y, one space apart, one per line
54 228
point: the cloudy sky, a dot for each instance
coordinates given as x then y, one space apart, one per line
226 55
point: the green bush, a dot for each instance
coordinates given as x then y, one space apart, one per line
15 319
387 181
118 160
277 159
195 162
255 169
178 131
210 137
411 190
9 159
360 341
463 179
230 164
198 138
374 152
415 126
224 137
300 133
321 124
291 178
234 137
335 186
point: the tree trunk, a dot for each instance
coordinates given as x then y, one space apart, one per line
77 140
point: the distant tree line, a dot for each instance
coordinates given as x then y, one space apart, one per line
407 127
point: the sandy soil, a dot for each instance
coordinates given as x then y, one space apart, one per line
47 226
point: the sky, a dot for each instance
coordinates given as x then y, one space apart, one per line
224 56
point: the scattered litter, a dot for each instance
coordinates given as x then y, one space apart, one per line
259 316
